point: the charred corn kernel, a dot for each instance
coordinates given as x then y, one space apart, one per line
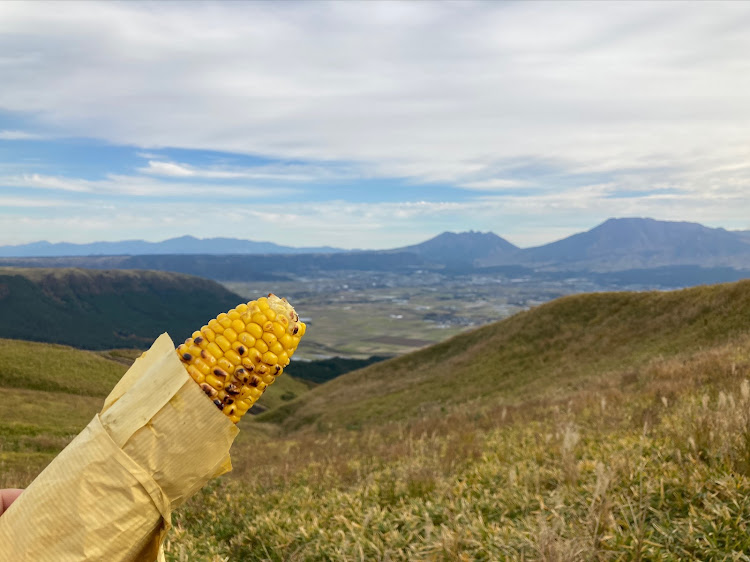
235 356
208 358
230 335
225 365
239 348
215 382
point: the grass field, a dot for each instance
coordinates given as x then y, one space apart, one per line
597 427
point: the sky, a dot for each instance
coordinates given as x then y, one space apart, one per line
369 124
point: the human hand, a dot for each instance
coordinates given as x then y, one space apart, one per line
7 497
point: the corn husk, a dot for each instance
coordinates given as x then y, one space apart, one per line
109 494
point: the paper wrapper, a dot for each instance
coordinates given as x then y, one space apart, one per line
109 494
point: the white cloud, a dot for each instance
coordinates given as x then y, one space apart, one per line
139 186
274 173
433 91
494 184
593 100
18 135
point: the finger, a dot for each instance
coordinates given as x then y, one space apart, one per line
7 497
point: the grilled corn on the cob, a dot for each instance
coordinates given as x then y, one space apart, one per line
239 353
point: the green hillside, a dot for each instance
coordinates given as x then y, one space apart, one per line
50 392
537 353
105 309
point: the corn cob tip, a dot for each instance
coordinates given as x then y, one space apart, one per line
238 354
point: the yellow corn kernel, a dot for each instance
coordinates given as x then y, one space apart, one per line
215 381
278 329
238 326
223 343
268 326
230 335
208 357
259 318
261 346
302 329
215 350
225 365
276 348
233 314
196 335
196 374
269 358
268 337
262 303
216 327
254 330
286 341
225 321
202 366
283 359
270 314
239 348
246 339
233 358
208 333
241 308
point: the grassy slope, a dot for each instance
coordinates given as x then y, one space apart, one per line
50 392
646 456
105 309
531 355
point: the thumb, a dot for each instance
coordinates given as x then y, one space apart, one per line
7 497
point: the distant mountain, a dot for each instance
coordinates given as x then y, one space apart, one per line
105 309
181 245
615 245
630 243
451 248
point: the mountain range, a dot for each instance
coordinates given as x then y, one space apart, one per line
618 244
181 245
